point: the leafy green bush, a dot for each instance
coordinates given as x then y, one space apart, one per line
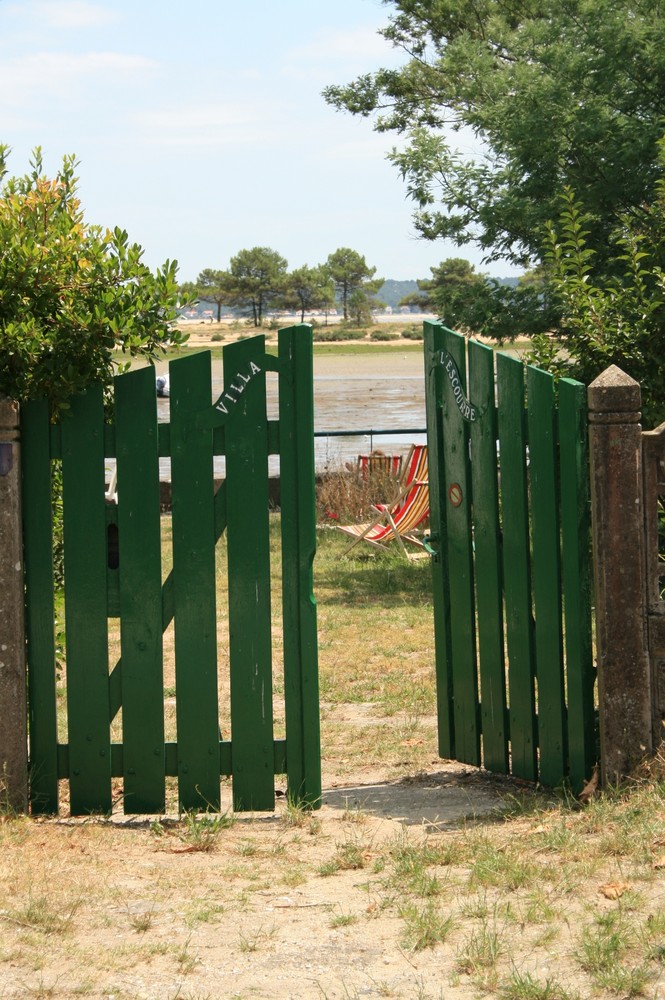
71 293
383 335
615 319
333 334
413 333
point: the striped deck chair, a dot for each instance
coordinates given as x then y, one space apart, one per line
398 520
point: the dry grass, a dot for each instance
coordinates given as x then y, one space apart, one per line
536 900
544 901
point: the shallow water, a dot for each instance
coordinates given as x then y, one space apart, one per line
364 393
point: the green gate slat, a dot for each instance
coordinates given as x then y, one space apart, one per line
38 565
434 345
516 568
249 575
487 559
194 585
460 562
137 454
88 707
576 577
546 576
298 522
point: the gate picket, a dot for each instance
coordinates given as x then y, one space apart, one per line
194 585
301 688
38 559
546 574
137 451
487 559
516 568
458 520
249 577
433 338
576 579
85 533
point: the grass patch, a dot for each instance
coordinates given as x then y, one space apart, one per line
424 925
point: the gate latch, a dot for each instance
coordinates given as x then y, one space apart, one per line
428 548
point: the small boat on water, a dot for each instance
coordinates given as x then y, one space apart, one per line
163 386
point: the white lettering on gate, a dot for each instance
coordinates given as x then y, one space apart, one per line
237 390
467 410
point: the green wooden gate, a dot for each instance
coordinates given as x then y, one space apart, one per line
511 563
114 566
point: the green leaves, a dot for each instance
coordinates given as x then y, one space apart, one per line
545 94
71 293
615 317
309 288
352 277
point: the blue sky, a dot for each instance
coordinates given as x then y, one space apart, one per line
201 130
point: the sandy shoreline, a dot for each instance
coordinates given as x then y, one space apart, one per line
381 359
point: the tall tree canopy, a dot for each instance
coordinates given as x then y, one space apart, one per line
70 293
351 274
256 279
211 286
309 288
551 93
467 300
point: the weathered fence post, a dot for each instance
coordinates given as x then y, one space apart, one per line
13 707
618 540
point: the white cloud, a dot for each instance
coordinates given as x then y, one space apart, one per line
363 45
67 14
50 72
219 125
338 56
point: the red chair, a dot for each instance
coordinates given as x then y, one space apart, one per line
399 520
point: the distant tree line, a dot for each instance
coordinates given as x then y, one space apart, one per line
258 281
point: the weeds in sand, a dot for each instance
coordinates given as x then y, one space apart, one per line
141 922
179 995
252 941
294 877
479 956
186 961
201 832
343 920
523 986
424 926
353 813
503 868
604 953
299 814
38 914
350 855
411 864
204 912
247 848
40 991
475 907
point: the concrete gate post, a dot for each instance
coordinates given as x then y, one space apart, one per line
13 699
615 438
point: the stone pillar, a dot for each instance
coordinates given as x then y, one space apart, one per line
615 438
13 700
